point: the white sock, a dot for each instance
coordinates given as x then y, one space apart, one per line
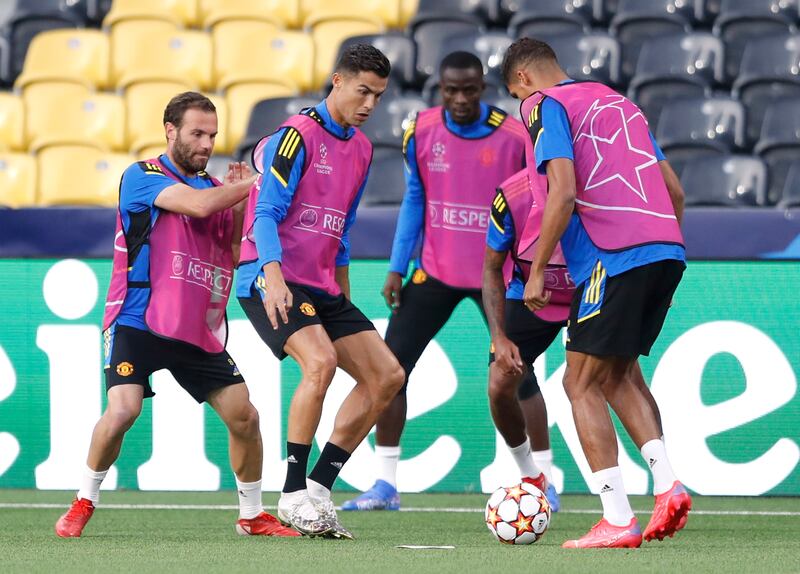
90 484
316 490
388 457
249 498
616 507
524 459
544 460
655 455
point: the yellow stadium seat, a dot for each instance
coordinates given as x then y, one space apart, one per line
17 180
283 13
181 12
148 51
12 122
382 12
94 176
71 114
145 103
255 51
68 55
222 142
408 9
241 99
328 35
151 152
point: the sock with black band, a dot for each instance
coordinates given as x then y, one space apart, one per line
296 466
330 463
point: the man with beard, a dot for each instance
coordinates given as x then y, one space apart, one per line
177 240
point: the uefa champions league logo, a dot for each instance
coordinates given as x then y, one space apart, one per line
177 265
438 164
323 153
438 150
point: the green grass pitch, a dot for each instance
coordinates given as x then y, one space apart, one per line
723 535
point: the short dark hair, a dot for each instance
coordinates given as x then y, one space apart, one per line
363 58
178 105
523 52
461 61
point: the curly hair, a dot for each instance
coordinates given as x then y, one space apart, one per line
523 52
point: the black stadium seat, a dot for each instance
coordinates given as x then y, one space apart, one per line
779 144
740 21
398 48
769 72
386 184
475 11
19 32
430 36
595 56
390 119
546 19
729 180
791 188
489 47
266 117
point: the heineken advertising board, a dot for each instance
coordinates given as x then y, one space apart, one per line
724 372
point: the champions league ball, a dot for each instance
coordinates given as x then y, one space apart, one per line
519 514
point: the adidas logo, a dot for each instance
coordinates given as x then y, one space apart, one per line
241 492
291 459
606 488
338 465
652 462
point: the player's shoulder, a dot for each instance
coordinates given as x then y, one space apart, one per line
140 171
408 135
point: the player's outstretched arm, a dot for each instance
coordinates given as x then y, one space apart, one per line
493 291
674 188
180 198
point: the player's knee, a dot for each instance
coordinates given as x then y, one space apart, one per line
246 423
391 380
121 417
502 388
318 371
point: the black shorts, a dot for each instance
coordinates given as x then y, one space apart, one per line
532 336
622 315
132 355
425 306
337 315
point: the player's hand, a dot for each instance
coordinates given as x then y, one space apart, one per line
506 357
535 295
278 299
391 290
238 171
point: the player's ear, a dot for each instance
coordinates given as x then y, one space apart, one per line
337 80
171 131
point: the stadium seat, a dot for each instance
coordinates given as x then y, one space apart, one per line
729 180
673 66
67 56
636 21
389 120
472 11
12 122
740 21
144 104
386 183
283 13
595 56
397 47
791 188
769 71
94 176
779 144
382 12
97 10
77 11
151 152
546 19
18 34
59 114
408 9
266 117
17 180
490 47
144 51
493 90
430 36
241 99
696 127
181 12
259 52
328 36
222 143
218 165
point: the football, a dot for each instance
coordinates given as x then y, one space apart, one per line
518 514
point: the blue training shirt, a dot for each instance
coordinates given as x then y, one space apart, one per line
501 237
142 182
281 176
411 219
580 252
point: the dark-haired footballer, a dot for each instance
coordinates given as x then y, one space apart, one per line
456 156
294 286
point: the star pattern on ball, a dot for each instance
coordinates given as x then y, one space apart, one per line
619 143
493 518
516 492
523 524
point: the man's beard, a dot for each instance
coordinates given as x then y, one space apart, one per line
184 158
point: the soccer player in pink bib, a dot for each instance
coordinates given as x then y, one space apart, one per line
615 205
294 287
176 243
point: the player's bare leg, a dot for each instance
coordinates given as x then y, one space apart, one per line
123 407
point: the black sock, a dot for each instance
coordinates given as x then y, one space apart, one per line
297 463
329 465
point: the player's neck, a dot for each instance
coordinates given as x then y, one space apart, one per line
335 115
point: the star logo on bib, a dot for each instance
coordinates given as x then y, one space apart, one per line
611 136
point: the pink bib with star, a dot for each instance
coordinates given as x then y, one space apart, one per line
622 198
